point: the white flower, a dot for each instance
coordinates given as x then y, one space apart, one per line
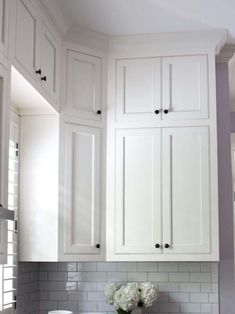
127 297
148 293
110 289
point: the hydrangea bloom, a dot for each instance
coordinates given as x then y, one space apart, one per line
110 289
148 293
127 297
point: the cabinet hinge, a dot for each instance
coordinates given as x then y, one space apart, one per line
16 226
15 302
17 149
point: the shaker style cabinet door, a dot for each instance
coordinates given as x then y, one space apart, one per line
49 63
138 89
186 191
82 190
138 192
185 87
84 85
27 37
4 25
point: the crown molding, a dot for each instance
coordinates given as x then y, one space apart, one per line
226 53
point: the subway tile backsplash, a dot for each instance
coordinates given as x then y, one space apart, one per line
183 287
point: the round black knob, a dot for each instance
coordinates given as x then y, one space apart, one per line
38 71
97 246
157 111
166 111
44 78
98 111
167 245
157 246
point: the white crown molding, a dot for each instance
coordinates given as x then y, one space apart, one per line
55 13
226 53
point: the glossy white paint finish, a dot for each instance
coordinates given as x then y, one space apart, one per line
82 210
4 26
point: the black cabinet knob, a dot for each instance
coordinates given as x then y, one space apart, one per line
166 245
157 111
44 78
97 246
38 71
166 111
157 246
98 111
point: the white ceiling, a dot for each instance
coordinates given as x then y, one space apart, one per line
124 17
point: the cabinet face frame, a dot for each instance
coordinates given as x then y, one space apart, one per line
94 66
72 134
4 20
4 143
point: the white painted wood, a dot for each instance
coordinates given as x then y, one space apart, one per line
4 25
82 212
50 63
138 191
38 210
27 37
186 190
4 145
138 92
83 85
185 87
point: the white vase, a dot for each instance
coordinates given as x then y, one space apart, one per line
138 310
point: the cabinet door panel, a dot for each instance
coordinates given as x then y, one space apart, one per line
185 87
186 190
27 39
84 85
82 188
138 188
49 62
138 92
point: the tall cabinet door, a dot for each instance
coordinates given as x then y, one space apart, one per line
138 191
138 94
84 85
27 36
49 63
82 190
186 190
185 87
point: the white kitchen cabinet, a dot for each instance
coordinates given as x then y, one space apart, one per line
4 25
138 192
162 200
27 37
138 95
36 50
81 222
50 63
84 96
164 88
185 87
186 193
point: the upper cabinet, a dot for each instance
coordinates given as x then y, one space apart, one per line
83 96
153 89
36 50
4 25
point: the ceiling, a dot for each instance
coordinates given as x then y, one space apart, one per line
125 17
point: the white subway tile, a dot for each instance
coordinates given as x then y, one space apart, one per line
200 277
77 276
206 267
57 295
190 287
206 287
178 277
67 305
96 276
168 287
178 297
87 306
190 307
103 306
199 297
169 307
158 277
96 296
215 308
106 266
117 276
147 266
137 276
206 308
127 266
86 266
168 266
189 267
57 276
77 295
213 298
214 272
86 286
